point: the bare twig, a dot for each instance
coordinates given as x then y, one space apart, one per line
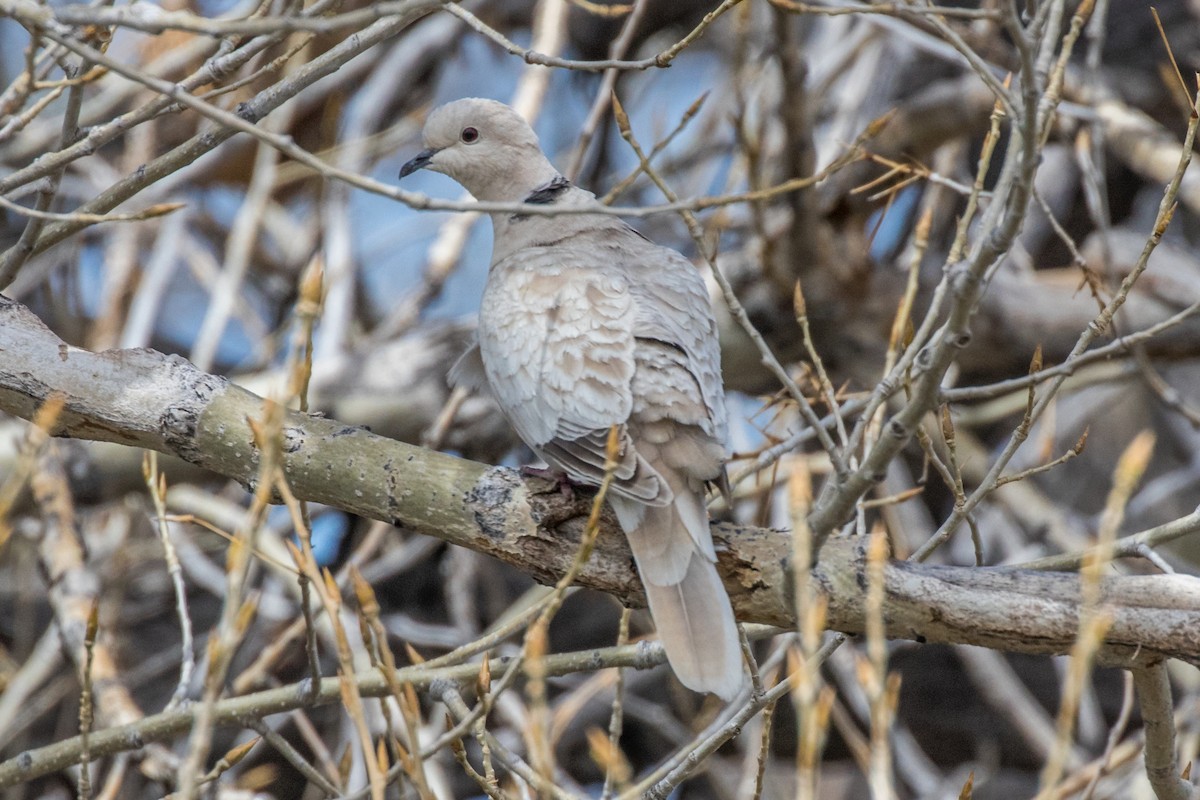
1162 766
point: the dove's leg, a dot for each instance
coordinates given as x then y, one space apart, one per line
556 476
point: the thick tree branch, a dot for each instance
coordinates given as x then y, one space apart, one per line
143 398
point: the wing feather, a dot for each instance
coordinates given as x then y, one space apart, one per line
557 345
673 308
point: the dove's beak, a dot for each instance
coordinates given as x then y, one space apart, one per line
421 161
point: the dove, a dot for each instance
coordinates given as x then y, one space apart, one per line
584 325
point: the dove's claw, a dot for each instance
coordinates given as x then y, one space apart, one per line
557 477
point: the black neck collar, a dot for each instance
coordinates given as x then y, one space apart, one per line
549 193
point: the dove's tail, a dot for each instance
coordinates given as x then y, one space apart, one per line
673 549
697 630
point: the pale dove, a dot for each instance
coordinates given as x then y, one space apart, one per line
584 325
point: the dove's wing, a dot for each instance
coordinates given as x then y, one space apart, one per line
558 345
673 309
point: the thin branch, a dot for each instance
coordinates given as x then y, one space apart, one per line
1158 723
1071 365
662 59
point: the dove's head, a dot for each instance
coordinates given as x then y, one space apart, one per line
485 146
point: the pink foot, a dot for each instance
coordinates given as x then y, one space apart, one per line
557 477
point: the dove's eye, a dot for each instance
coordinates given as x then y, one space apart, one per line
469 135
